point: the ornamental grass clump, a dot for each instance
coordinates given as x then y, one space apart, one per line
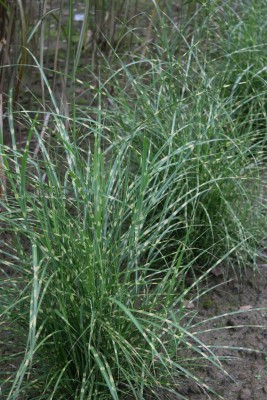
219 170
104 236
239 62
95 288
113 214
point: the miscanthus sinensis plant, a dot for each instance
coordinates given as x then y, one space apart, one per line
105 216
233 36
177 104
103 231
95 289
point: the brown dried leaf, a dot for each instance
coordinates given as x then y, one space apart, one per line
189 304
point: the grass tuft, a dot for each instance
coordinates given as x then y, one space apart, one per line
110 208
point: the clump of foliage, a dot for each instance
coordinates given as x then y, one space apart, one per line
108 207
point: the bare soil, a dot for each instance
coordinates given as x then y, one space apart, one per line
238 337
